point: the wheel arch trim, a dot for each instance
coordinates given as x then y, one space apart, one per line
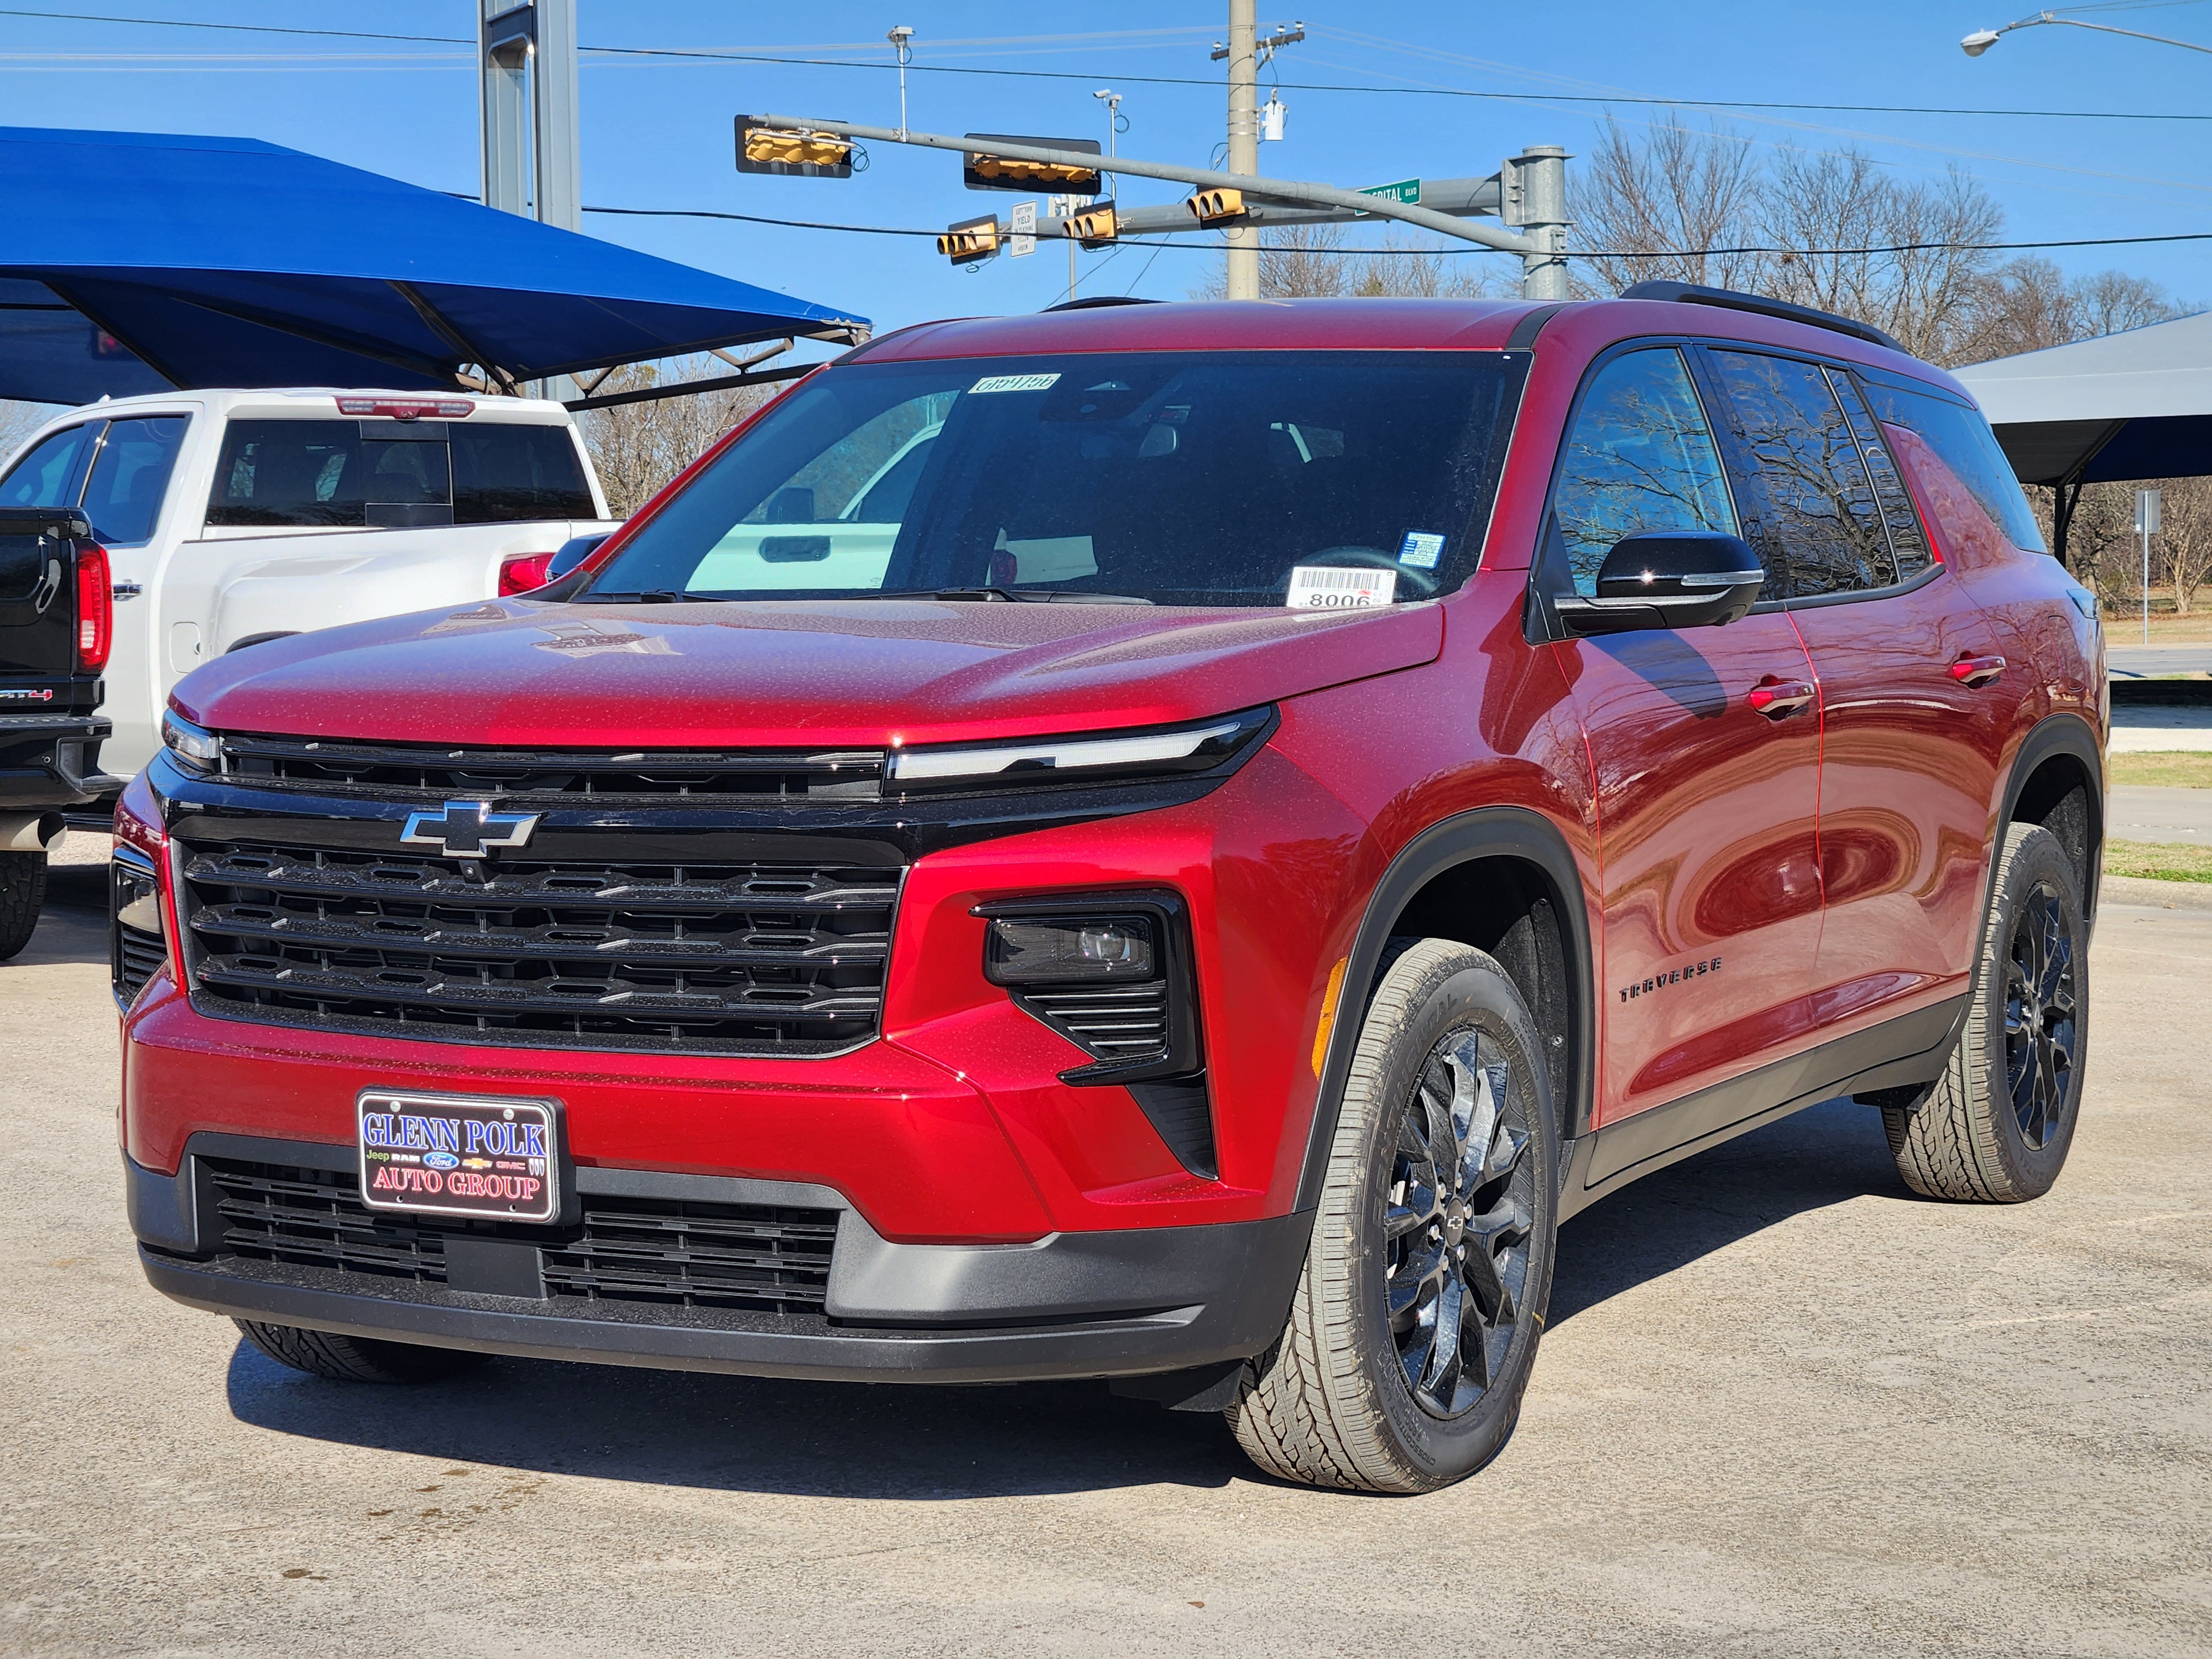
1490 832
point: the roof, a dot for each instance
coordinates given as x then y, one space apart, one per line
2136 404
132 262
1216 325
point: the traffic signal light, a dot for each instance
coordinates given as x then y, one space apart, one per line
1094 227
1214 206
792 151
970 242
981 170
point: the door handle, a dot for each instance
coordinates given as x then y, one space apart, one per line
1779 699
1975 672
125 591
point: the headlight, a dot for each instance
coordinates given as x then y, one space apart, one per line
1162 750
196 750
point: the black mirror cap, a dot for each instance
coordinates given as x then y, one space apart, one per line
1666 579
574 552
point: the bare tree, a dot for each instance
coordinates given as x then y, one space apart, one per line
19 421
1664 202
636 448
1320 262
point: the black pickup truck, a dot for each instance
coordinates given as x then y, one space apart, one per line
57 617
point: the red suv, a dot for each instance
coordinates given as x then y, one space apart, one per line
1171 843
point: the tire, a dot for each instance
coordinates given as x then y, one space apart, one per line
1350 1396
1995 1126
355 1359
22 894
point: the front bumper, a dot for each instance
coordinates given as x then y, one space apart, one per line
1098 1304
52 760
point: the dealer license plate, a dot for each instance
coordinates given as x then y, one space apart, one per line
486 1157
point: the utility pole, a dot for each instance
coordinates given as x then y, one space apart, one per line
1244 142
1534 186
533 162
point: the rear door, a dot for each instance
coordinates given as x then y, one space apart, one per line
1706 805
1909 749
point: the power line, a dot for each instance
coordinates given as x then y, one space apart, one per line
1573 253
735 56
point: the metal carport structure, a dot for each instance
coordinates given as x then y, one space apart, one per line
2120 407
139 262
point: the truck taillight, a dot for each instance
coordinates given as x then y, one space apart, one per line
96 609
409 408
520 575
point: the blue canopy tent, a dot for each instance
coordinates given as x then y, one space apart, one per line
2125 406
137 261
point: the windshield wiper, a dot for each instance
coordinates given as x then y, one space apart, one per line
650 596
1001 596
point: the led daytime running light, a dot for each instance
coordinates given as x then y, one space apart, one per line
194 747
1056 754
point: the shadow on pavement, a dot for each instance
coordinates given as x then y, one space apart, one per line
1823 1155
756 1434
919 1442
71 928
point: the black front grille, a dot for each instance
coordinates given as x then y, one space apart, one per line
679 1253
435 771
1113 1022
756 958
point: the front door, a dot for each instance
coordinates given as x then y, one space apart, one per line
125 489
1707 800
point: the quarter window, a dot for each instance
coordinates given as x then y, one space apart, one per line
1963 439
1639 456
1821 523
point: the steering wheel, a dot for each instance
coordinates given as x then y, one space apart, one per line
1422 581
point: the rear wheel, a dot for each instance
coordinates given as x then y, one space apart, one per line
1996 1126
1416 1320
22 893
355 1359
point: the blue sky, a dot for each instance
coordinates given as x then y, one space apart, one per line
657 131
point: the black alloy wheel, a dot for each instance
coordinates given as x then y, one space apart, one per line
2040 1014
1458 1222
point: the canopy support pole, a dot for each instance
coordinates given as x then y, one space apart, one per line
101 324
686 388
2066 493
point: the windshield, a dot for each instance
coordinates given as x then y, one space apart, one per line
1325 480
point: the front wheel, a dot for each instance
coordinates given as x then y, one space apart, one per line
1416 1320
354 1359
1995 1126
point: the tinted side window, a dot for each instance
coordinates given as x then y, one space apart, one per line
1908 546
49 475
1639 456
506 472
130 477
1821 521
1969 448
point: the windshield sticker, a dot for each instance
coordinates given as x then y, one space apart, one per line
1332 587
590 639
1014 383
1421 548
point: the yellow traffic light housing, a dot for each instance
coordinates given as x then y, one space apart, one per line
1215 207
970 242
981 170
1095 227
792 151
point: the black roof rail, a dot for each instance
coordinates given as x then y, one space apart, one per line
1092 301
1691 293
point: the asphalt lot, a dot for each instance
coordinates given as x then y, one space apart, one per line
1783 1408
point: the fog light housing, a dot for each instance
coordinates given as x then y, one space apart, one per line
1063 950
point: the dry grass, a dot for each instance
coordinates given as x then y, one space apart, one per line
2158 860
2171 769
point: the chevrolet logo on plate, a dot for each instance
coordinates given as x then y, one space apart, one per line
469 829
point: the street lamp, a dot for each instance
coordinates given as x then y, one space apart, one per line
1982 39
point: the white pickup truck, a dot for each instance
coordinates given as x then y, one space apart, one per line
231 518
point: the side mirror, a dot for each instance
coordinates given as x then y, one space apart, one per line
573 553
1668 579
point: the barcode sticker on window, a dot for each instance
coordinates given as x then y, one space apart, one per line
1335 588
1014 383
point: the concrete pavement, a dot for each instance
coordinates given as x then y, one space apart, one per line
2141 812
2132 661
1783 1408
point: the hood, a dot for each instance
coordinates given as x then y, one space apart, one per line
859 674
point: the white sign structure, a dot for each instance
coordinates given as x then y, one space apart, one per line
2147 520
1021 223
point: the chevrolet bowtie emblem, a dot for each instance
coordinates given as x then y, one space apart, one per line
468 829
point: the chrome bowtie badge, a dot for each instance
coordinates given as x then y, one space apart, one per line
469 829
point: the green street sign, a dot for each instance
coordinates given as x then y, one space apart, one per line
1407 191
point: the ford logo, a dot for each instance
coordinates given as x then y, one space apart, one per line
440 1160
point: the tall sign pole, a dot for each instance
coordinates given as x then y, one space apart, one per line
2147 526
532 147
1244 142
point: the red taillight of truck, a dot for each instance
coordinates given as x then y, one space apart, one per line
96 609
520 575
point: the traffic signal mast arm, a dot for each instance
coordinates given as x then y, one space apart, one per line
1288 194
